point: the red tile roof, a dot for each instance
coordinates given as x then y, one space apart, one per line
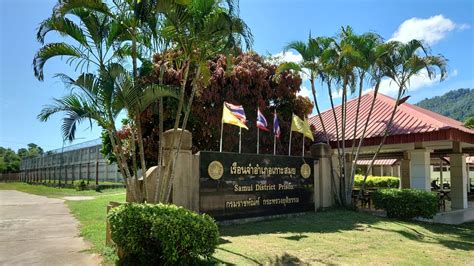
411 123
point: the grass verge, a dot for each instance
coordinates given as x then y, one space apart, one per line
55 192
92 216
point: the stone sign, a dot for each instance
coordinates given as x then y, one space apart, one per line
234 185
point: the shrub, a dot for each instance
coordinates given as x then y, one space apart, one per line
163 234
377 181
81 186
406 203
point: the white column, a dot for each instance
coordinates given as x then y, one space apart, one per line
420 174
458 181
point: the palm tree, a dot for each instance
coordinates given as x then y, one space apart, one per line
90 30
200 30
104 35
100 99
365 50
316 55
405 61
310 65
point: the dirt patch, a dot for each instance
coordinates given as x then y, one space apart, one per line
75 198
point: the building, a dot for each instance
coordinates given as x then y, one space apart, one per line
417 138
65 165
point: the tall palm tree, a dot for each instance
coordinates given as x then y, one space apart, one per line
316 56
367 49
310 66
101 98
104 35
405 61
200 30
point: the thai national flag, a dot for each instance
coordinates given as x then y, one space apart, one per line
276 126
237 111
261 121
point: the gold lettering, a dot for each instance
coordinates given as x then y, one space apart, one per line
286 186
238 188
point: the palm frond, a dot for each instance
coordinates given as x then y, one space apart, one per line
49 51
62 25
64 7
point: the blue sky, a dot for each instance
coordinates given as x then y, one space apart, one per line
446 25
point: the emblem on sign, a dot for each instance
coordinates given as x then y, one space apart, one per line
305 170
215 170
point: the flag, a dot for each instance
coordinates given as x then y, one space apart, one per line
234 115
276 126
301 126
261 121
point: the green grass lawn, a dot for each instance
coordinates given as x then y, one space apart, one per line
332 237
345 237
92 215
55 192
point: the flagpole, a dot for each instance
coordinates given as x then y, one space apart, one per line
274 144
240 139
258 140
303 147
222 131
289 145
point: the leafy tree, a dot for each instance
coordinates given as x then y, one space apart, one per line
246 79
469 122
10 161
457 104
106 34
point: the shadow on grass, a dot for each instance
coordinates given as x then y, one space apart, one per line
321 222
436 233
285 259
450 236
296 237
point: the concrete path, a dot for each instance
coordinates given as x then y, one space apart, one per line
36 230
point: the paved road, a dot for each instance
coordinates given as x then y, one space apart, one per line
36 230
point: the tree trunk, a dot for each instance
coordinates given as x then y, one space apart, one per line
351 175
167 174
183 127
361 140
142 154
387 130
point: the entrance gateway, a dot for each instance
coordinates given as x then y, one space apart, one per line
235 186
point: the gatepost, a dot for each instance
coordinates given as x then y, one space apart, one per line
323 196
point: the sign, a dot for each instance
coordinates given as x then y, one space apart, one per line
234 185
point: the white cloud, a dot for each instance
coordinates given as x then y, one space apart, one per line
430 30
288 57
417 82
305 92
464 26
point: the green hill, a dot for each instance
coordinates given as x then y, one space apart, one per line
457 104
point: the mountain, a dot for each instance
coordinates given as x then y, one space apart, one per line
457 104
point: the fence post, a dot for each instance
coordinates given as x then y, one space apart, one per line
96 172
72 174
88 172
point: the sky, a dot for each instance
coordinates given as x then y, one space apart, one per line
446 26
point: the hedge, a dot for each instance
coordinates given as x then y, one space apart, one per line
406 203
377 181
162 234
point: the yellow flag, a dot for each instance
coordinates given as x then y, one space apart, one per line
229 118
301 126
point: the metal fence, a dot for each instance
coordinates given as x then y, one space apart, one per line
9 177
69 164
